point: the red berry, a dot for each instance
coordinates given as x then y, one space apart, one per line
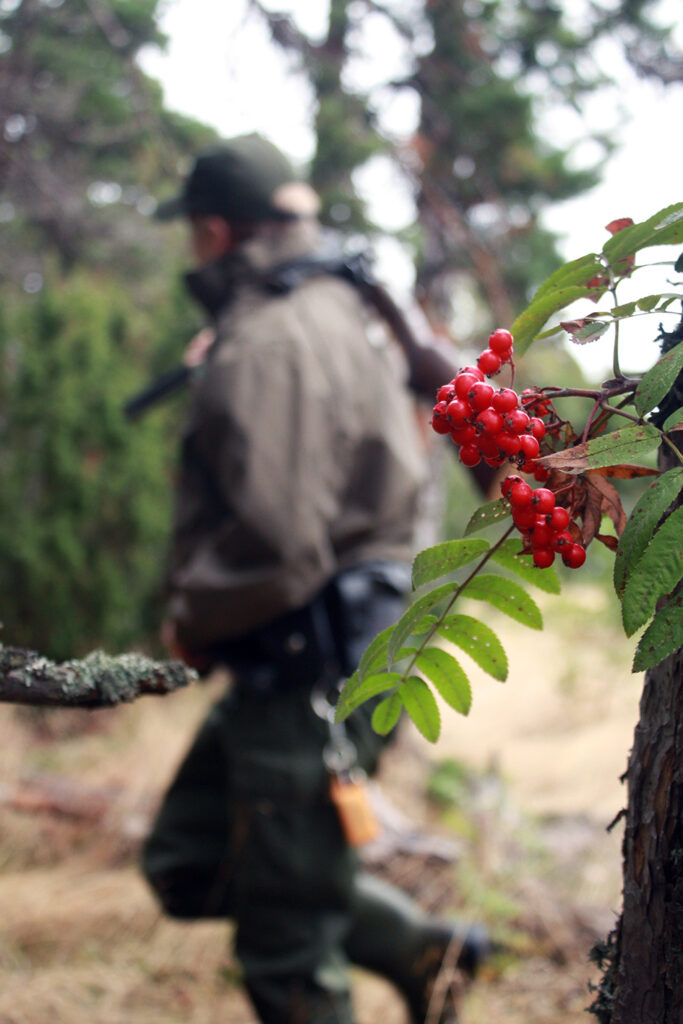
472 369
505 400
543 557
575 557
524 518
480 395
529 447
464 435
489 421
537 427
507 442
543 500
520 494
507 483
542 535
501 341
458 412
439 422
517 421
463 383
446 392
488 447
470 455
563 541
559 519
489 362
541 474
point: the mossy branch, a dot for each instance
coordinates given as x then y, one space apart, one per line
96 681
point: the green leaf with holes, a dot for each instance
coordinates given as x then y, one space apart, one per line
448 677
356 691
437 561
386 714
507 596
662 637
420 703
658 381
413 617
656 574
488 515
642 523
479 641
510 557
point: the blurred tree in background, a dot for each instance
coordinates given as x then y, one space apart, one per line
478 164
88 308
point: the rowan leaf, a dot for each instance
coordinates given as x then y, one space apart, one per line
448 677
487 515
589 332
625 472
643 522
673 422
658 381
386 714
602 499
579 271
662 637
413 616
357 691
479 641
507 596
375 653
437 561
510 556
529 323
420 703
606 450
664 228
657 573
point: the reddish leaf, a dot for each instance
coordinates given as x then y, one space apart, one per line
604 496
608 540
572 326
624 472
618 225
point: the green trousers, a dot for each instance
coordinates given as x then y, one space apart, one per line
247 831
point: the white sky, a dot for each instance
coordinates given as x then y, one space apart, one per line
221 68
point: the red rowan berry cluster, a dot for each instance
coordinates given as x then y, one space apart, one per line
486 423
498 425
542 523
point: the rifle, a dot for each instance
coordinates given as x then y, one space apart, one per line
429 367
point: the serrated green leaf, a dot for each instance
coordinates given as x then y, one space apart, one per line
642 523
507 596
662 637
479 641
529 323
656 574
487 515
664 228
658 381
625 445
448 677
419 702
673 420
414 615
356 691
623 310
509 556
576 272
425 624
437 561
591 332
648 302
386 714
375 654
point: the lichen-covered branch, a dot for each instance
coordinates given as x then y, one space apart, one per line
96 681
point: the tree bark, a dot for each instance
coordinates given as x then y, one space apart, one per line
96 681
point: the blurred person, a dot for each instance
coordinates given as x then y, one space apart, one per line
296 506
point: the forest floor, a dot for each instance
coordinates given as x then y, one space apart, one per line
511 807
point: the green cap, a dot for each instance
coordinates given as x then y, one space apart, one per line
235 179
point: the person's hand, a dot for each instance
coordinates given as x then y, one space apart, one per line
196 351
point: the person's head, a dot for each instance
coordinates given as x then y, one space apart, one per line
234 187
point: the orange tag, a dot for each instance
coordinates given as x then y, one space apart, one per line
356 815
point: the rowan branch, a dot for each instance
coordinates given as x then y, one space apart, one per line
95 681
